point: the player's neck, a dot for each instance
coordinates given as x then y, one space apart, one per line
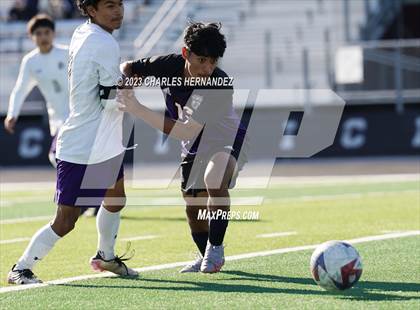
102 26
45 50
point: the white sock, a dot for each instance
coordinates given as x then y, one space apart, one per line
41 243
107 224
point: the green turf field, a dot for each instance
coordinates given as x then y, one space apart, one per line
312 213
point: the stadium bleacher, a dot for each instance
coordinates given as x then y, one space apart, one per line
293 27
14 43
289 45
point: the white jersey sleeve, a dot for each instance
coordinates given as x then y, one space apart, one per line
24 84
109 73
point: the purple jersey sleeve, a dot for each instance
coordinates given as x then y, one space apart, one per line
158 66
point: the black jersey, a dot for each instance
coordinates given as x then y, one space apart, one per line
210 105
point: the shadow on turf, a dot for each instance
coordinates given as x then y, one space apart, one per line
359 293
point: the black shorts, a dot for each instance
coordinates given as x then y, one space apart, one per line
193 183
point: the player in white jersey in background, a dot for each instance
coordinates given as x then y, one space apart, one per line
89 145
45 67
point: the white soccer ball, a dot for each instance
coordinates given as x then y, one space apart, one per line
336 265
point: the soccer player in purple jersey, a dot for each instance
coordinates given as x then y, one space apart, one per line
204 119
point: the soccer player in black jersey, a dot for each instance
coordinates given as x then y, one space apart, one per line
211 132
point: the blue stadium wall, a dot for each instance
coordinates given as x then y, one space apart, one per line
364 130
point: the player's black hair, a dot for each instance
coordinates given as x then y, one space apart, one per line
205 39
40 20
83 4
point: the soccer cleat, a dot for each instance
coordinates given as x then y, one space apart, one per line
194 266
214 259
24 276
115 265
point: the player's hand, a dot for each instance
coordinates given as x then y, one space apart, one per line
127 101
126 68
9 124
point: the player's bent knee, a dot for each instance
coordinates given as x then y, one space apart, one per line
217 177
113 208
217 183
115 203
213 181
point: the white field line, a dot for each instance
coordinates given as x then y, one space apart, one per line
135 238
236 201
228 258
17 240
298 181
277 234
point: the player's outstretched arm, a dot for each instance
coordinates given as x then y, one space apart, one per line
176 129
24 84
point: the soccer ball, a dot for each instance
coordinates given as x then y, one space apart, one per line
336 265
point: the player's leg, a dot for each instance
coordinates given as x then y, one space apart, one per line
42 243
219 172
195 196
199 227
108 219
69 178
107 224
65 219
